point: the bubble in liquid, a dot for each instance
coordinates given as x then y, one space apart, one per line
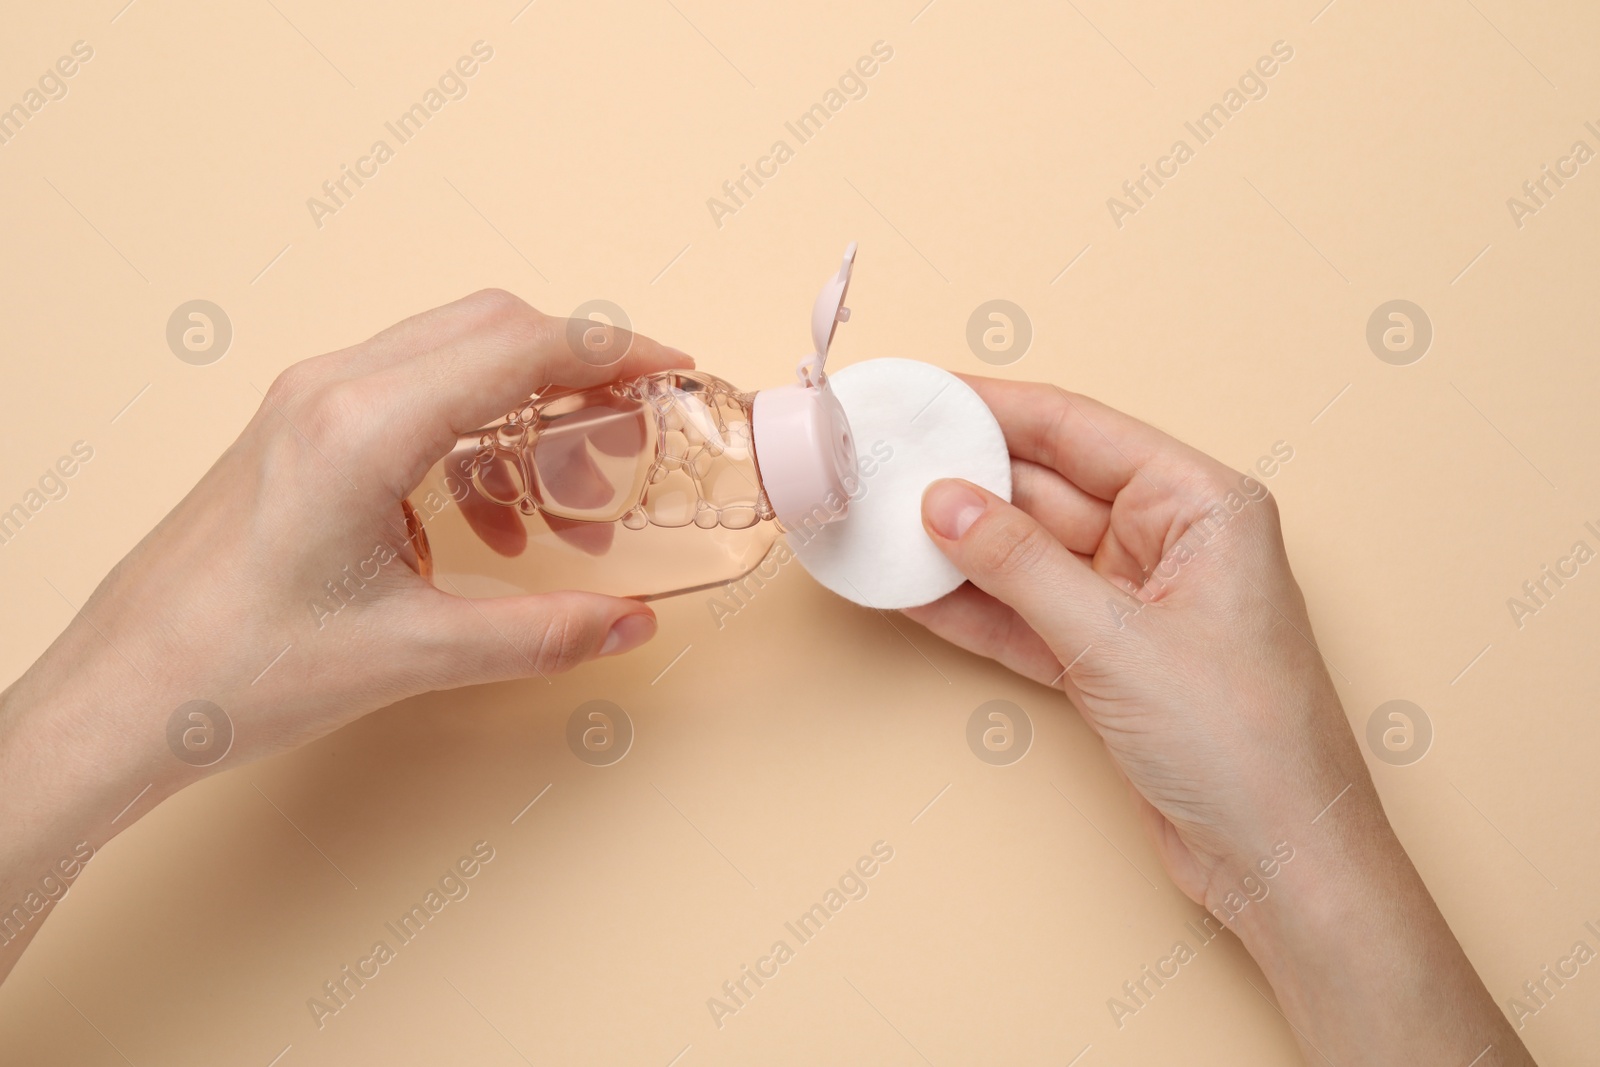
739 517
736 440
674 447
701 473
725 484
672 501
698 422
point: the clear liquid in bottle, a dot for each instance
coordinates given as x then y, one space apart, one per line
663 484
637 488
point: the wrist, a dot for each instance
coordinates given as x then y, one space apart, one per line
1313 885
78 744
54 825
1348 931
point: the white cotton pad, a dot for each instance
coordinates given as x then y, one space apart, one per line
913 424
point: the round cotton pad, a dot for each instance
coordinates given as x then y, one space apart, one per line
913 424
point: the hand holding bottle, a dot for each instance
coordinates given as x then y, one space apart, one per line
1151 582
283 590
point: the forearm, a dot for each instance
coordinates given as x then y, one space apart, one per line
70 771
1363 964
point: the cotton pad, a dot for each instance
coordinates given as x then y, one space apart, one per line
914 423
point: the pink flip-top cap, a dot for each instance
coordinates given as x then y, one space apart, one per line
805 455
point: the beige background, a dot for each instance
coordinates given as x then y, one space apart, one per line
1231 310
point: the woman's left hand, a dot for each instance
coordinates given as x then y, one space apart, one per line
228 600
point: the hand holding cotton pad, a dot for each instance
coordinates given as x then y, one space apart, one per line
931 425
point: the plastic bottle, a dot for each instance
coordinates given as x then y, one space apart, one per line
663 484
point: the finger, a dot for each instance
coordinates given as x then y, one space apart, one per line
971 619
1010 556
405 340
1073 517
570 479
497 524
438 327
1095 447
509 352
424 332
505 530
591 538
497 638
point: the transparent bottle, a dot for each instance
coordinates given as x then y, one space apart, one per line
663 484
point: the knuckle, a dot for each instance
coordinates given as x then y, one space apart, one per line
507 321
333 419
1205 484
562 645
1053 443
291 385
1227 498
330 416
1265 518
1010 545
499 309
1260 503
1212 480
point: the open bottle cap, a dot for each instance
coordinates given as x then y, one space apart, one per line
805 454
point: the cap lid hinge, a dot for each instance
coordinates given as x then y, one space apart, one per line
826 314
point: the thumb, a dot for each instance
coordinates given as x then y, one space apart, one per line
1008 555
499 638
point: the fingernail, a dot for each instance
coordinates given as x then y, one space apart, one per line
628 633
952 507
680 353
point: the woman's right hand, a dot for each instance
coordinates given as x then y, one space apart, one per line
1152 584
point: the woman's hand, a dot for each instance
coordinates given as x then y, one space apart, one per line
1151 583
1156 579
282 589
